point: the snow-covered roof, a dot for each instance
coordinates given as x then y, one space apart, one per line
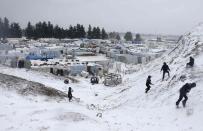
92 58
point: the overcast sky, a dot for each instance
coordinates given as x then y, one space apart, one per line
139 16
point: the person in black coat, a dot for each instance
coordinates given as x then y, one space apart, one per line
191 63
165 69
148 83
94 80
183 93
70 96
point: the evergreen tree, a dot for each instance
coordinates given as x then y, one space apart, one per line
114 35
57 31
74 35
94 33
98 33
50 30
47 30
138 37
5 28
118 37
82 30
104 35
70 32
44 30
63 33
78 31
1 28
89 32
38 30
128 36
15 31
29 31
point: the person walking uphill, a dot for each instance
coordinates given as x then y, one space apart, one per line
191 63
70 96
148 83
183 93
165 69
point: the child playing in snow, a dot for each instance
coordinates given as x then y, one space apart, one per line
148 83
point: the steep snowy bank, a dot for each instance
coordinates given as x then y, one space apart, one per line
156 110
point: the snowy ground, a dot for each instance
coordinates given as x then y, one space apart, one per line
124 108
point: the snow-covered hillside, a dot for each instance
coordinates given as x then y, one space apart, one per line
124 108
156 110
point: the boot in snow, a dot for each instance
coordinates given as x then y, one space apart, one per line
177 106
184 103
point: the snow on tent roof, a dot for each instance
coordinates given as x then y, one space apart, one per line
93 64
92 58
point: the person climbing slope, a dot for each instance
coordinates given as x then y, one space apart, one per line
183 93
191 63
165 69
148 83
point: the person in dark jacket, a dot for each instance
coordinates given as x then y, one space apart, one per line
148 83
191 63
70 96
183 93
94 80
165 69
